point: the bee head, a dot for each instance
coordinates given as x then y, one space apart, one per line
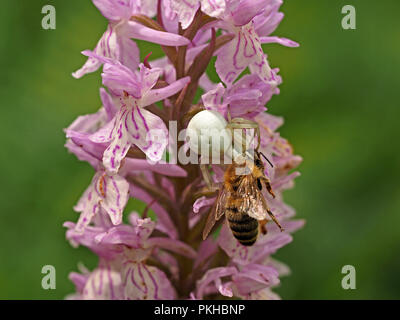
257 160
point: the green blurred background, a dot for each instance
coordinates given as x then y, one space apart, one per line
340 100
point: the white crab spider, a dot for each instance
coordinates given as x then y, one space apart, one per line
210 136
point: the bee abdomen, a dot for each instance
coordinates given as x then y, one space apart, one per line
244 228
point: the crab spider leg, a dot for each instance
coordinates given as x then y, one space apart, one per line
208 178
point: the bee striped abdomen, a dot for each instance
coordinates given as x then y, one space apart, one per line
244 228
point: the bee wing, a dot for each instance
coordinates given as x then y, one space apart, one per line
217 211
253 200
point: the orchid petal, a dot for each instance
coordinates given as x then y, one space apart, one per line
108 103
89 123
138 31
213 98
264 294
224 288
167 169
119 146
143 227
206 250
162 93
104 283
114 191
87 239
185 10
244 50
107 192
266 23
90 209
81 154
83 142
115 10
79 280
169 17
213 8
211 276
283 41
121 234
255 277
148 77
247 10
142 282
119 78
202 202
111 46
173 245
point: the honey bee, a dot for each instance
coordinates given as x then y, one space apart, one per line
242 201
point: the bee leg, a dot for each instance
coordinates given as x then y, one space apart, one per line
207 178
268 186
275 220
272 215
263 227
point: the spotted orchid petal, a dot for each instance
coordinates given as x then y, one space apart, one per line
255 277
202 202
207 249
114 191
104 283
81 154
109 193
87 238
143 282
263 294
172 245
162 93
134 235
186 9
114 46
89 123
108 104
214 97
283 41
115 10
268 20
169 17
119 79
135 30
213 8
146 7
247 10
139 165
212 276
243 51
79 135
79 280
135 126
246 98
224 288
